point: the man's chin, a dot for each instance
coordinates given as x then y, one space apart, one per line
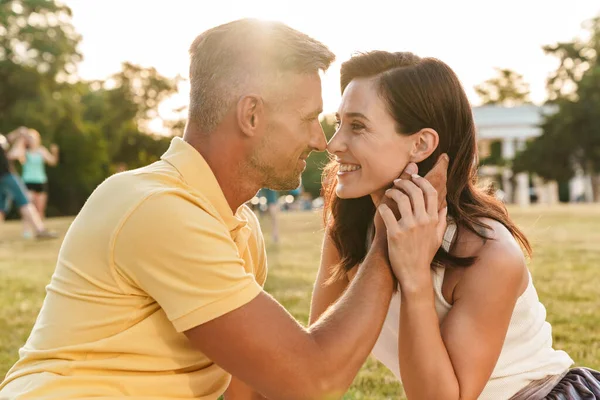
285 184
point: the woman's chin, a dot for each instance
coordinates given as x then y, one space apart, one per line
341 194
348 193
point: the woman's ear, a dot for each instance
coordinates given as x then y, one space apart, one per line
424 144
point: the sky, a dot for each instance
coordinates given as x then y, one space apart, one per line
472 37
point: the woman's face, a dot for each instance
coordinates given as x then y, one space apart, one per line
369 151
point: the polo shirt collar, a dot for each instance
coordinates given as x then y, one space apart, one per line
196 172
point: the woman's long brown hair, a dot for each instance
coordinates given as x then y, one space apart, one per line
420 93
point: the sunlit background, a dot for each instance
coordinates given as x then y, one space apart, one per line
100 113
473 37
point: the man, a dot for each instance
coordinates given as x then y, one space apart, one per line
158 293
12 188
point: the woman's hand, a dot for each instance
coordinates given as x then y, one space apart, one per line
414 238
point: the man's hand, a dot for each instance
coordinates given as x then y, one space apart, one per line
437 177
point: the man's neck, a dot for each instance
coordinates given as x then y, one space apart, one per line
227 165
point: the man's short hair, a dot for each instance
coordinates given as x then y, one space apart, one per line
225 59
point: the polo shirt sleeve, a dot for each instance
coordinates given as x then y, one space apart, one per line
184 258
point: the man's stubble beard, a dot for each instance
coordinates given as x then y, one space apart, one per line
272 176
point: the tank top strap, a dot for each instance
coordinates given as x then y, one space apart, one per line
439 272
449 234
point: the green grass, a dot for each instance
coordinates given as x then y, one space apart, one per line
565 268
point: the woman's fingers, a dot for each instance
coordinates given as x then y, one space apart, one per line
429 194
389 219
416 196
404 205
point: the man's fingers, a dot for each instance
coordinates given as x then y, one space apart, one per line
439 173
438 179
409 171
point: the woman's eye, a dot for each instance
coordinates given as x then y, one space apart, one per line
357 127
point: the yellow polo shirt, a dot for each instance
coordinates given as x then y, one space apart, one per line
153 253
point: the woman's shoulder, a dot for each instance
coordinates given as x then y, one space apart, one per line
498 257
491 236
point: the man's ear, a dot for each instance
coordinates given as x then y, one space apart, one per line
424 144
250 114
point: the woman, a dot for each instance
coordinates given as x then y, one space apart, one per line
12 188
466 322
34 158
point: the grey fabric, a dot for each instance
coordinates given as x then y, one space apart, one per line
539 389
577 384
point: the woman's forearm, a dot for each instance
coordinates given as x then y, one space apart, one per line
425 365
50 157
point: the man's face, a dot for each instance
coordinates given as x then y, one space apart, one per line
292 132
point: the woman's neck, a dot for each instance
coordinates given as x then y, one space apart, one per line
377 196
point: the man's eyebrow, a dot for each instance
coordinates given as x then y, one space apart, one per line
315 113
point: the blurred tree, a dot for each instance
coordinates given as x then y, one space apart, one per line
571 136
38 55
549 155
107 132
507 89
96 124
123 106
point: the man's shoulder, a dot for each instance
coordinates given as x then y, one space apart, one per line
140 184
159 173
175 205
168 219
152 194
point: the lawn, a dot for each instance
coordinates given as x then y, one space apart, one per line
565 268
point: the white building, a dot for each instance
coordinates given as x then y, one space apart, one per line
513 127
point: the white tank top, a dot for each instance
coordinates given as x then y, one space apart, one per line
527 354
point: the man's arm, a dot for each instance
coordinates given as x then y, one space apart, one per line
204 290
194 272
261 343
325 293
